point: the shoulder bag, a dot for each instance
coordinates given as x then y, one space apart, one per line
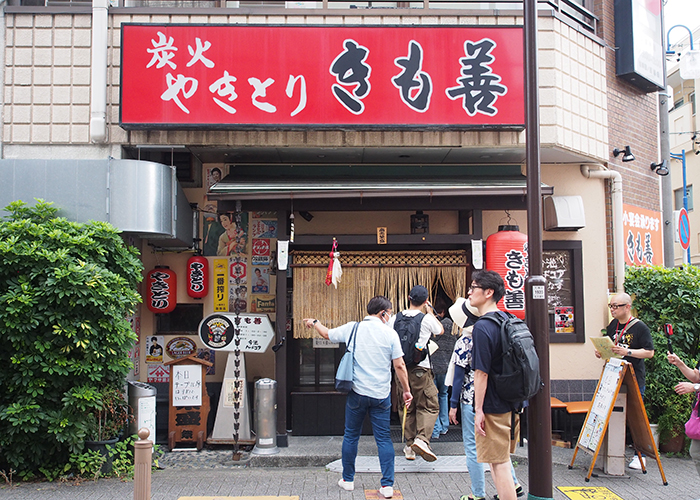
343 377
692 426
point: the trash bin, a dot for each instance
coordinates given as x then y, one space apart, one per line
142 401
266 417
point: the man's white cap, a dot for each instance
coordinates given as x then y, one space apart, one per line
463 313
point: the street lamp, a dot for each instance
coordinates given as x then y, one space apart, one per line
681 157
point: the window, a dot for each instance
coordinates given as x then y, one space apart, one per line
678 198
563 270
692 103
677 104
317 364
184 319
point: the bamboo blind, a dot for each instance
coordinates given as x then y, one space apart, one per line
365 275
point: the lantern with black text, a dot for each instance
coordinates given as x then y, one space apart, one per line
161 290
197 277
506 253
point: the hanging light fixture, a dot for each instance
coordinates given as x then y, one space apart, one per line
419 223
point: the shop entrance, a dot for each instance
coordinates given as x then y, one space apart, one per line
316 409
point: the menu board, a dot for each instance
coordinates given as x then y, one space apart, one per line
597 420
557 270
187 385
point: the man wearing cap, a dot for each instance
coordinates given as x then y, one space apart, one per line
422 414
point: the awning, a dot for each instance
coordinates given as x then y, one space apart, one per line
233 188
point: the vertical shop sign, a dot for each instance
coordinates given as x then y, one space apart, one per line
220 285
643 239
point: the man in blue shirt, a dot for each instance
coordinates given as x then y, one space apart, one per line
377 348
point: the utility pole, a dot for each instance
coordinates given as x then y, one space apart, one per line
539 412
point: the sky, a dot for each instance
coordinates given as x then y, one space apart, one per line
685 12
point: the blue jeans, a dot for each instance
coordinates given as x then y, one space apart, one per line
356 407
476 470
442 424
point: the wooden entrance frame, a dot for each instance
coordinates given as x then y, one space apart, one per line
604 398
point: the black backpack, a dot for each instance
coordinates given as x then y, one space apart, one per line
408 328
520 378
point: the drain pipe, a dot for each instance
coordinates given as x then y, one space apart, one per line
600 172
98 85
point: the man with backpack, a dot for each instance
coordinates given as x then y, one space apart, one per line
414 328
497 426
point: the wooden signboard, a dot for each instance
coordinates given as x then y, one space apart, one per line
189 402
615 373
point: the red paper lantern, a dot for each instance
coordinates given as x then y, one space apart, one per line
197 277
506 253
161 290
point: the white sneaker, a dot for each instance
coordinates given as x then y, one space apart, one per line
386 491
346 485
634 464
409 453
423 449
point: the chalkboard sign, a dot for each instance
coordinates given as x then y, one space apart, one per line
562 268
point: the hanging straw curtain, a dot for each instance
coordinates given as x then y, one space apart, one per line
365 275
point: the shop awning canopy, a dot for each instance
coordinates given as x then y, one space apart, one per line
233 188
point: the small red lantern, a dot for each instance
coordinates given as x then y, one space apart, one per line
161 292
506 253
197 277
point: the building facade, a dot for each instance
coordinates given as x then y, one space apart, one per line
98 90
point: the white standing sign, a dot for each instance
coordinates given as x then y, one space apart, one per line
187 385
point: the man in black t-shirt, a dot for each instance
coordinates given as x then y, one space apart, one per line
492 415
632 340
630 336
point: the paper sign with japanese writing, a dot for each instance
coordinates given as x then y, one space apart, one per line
187 385
234 391
643 236
183 76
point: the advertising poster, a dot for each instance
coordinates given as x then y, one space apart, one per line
154 349
220 279
208 355
158 374
261 280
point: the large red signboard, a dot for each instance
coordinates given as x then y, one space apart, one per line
186 76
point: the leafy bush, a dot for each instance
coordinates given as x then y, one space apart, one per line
662 296
66 289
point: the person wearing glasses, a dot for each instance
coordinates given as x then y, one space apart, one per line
632 340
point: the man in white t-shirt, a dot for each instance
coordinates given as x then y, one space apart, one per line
375 348
424 411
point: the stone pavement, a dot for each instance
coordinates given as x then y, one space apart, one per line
301 470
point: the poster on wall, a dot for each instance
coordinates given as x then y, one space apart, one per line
564 319
220 275
208 355
214 175
262 303
238 283
643 239
154 349
211 228
234 238
158 374
261 280
264 229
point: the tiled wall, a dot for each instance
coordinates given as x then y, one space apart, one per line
47 86
573 390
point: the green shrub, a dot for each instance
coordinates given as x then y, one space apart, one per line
663 295
66 289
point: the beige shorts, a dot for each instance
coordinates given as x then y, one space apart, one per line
496 446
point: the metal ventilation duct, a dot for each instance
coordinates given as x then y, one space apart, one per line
140 198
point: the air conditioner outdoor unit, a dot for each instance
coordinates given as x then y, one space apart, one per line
563 213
